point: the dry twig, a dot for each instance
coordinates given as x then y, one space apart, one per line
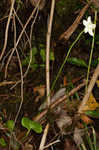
21 72
48 70
30 40
44 137
20 36
4 83
7 28
59 101
66 35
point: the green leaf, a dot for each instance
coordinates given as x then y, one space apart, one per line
34 51
36 127
52 56
31 125
26 123
27 59
42 65
43 56
10 124
77 62
93 113
2 142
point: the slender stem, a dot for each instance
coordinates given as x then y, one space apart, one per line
92 48
60 70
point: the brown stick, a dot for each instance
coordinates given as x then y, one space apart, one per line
44 136
48 39
66 35
58 101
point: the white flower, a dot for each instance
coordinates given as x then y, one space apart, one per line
89 26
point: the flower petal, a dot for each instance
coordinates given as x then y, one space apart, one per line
93 26
85 30
89 19
91 33
84 22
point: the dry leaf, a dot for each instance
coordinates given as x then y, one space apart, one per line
91 104
78 136
28 147
57 95
63 120
86 119
41 91
65 81
97 82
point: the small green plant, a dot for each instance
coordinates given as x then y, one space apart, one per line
43 55
31 125
2 142
26 61
10 125
89 28
90 140
34 64
77 62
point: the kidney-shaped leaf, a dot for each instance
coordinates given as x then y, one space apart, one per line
26 123
36 126
31 125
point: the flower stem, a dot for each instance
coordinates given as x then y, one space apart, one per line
60 70
92 47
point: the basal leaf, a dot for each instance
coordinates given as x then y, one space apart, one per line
26 123
36 126
31 125
77 62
